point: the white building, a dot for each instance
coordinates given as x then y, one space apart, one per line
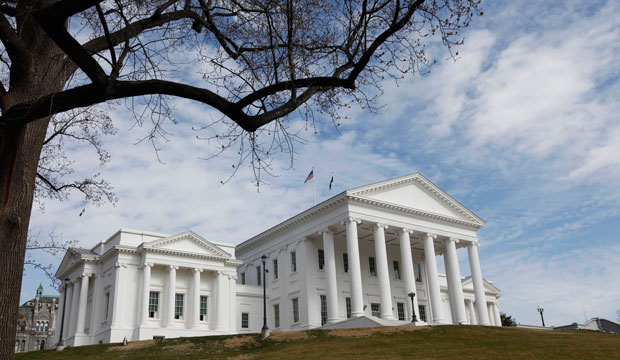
356 255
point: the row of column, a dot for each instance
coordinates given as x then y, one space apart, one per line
74 311
492 310
452 269
225 289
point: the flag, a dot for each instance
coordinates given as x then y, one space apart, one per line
310 176
82 212
331 182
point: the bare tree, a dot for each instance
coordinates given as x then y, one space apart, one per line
53 245
260 61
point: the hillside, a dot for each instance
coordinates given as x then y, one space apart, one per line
438 342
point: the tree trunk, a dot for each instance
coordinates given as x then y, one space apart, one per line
19 155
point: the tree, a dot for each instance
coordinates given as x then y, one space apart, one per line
507 320
263 60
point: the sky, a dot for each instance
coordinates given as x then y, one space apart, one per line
523 129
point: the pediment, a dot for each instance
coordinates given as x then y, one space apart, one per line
489 287
187 242
68 261
416 192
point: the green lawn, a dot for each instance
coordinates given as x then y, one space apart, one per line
437 342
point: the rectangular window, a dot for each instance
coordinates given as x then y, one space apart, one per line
323 310
293 262
245 320
242 278
276 315
258 279
295 310
401 311
321 259
416 269
275 269
422 313
345 262
153 304
348 305
371 266
375 309
107 306
178 306
203 308
396 270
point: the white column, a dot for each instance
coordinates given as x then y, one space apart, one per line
81 316
146 286
490 314
67 312
433 279
472 312
498 319
476 277
172 286
385 293
74 307
221 308
60 313
355 272
196 292
408 272
232 308
454 281
330 276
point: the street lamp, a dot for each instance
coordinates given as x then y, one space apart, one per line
540 310
413 319
265 331
60 345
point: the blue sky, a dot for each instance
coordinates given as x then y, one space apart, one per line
523 130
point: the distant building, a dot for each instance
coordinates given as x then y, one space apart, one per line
36 323
355 258
595 324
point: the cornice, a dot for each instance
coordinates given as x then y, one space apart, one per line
408 210
189 254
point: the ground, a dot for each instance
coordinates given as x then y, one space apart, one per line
437 342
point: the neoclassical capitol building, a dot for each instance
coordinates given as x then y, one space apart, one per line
367 256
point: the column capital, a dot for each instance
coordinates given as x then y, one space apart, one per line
453 239
83 275
173 267
405 231
381 225
351 219
431 235
327 230
146 264
198 270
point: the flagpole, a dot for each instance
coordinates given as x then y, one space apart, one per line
313 186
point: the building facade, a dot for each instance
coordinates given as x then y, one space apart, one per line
360 254
36 323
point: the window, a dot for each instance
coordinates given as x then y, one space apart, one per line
37 327
321 259
416 269
345 262
396 270
276 315
242 278
374 309
47 325
371 266
348 305
178 306
23 328
401 311
203 307
153 304
293 262
245 320
422 313
258 282
295 310
275 269
107 307
323 310
42 347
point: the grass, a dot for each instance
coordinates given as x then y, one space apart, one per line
437 342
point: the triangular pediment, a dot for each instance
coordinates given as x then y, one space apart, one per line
70 258
187 242
489 287
416 192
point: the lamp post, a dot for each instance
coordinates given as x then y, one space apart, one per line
60 345
413 319
540 310
265 331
